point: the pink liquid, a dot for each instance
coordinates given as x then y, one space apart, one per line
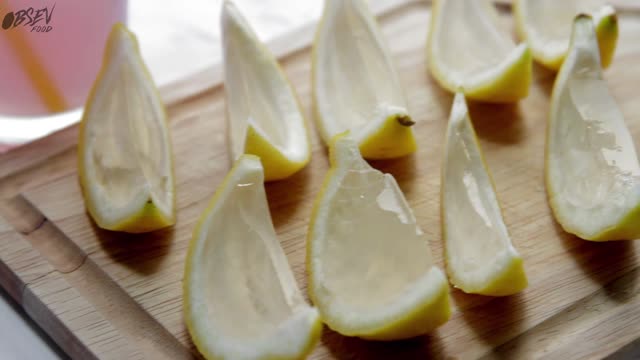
69 47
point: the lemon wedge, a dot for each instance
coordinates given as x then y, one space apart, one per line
124 149
355 86
241 299
263 113
479 254
546 26
592 169
467 52
371 273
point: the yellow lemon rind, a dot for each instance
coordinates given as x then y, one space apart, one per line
512 279
607 33
513 85
276 165
393 139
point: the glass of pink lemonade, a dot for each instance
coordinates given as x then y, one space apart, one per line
50 54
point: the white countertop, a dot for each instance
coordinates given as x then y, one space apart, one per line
21 338
191 29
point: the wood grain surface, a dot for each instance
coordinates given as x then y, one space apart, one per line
107 295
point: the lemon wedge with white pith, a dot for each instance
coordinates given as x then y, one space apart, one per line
355 85
263 113
546 26
592 170
468 52
370 268
241 299
479 254
124 152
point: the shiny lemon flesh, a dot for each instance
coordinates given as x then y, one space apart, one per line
592 169
370 268
480 256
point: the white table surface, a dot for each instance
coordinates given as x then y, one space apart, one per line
191 31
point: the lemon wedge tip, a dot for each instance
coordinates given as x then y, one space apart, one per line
276 165
607 33
393 139
510 279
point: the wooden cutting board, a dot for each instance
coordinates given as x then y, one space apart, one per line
107 295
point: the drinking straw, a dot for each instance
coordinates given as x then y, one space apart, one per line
35 69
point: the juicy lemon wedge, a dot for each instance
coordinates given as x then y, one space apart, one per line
480 256
264 116
546 26
467 52
355 86
241 299
592 169
124 149
371 273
